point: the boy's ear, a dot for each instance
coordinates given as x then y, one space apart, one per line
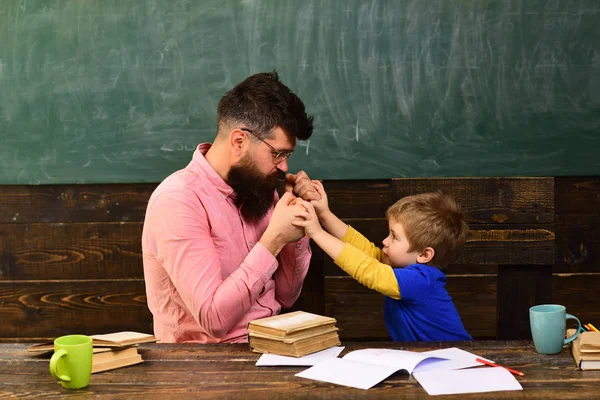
426 255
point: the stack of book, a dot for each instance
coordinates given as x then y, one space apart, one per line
294 334
110 351
586 349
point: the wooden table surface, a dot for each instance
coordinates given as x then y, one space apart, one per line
228 371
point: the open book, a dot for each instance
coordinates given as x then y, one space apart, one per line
365 368
122 339
117 339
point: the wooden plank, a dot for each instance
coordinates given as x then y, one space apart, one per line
47 309
577 224
26 204
579 293
488 245
475 299
359 310
519 288
360 199
491 200
71 251
509 244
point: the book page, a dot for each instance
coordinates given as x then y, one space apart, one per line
477 380
292 320
456 359
120 337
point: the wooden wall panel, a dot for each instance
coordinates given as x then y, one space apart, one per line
21 204
519 288
580 293
358 310
360 199
109 250
45 309
577 224
491 200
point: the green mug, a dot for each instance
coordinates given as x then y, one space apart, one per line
71 362
548 325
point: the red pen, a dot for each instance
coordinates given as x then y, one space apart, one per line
491 364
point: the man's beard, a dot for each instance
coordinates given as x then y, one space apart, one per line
254 189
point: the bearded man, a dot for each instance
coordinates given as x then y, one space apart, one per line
219 248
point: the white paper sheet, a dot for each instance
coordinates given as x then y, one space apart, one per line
477 380
270 360
348 373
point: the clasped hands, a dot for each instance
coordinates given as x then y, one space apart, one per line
292 217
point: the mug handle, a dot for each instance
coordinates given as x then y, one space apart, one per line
54 365
570 339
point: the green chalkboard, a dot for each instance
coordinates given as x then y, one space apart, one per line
100 91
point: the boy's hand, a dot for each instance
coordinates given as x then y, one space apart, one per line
307 219
321 205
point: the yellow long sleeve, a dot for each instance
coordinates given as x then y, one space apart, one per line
362 263
356 239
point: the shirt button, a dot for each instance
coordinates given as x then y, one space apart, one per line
298 245
251 244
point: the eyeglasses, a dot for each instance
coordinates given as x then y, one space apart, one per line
279 155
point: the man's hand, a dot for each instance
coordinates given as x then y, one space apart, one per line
280 230
301 185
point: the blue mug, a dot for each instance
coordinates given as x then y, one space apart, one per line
548 325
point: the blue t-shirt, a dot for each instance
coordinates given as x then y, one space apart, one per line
425 311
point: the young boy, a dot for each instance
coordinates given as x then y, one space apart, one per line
425 232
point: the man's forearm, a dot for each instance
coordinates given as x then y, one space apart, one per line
294 261
272 242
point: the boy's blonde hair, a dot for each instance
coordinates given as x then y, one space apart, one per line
431 220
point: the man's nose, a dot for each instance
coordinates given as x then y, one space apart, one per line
283 165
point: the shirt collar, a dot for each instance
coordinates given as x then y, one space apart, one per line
199 162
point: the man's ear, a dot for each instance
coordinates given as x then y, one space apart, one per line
237 140
426 255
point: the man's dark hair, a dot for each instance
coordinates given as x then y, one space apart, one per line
262 103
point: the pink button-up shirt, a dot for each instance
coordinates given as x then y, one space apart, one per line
206 274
